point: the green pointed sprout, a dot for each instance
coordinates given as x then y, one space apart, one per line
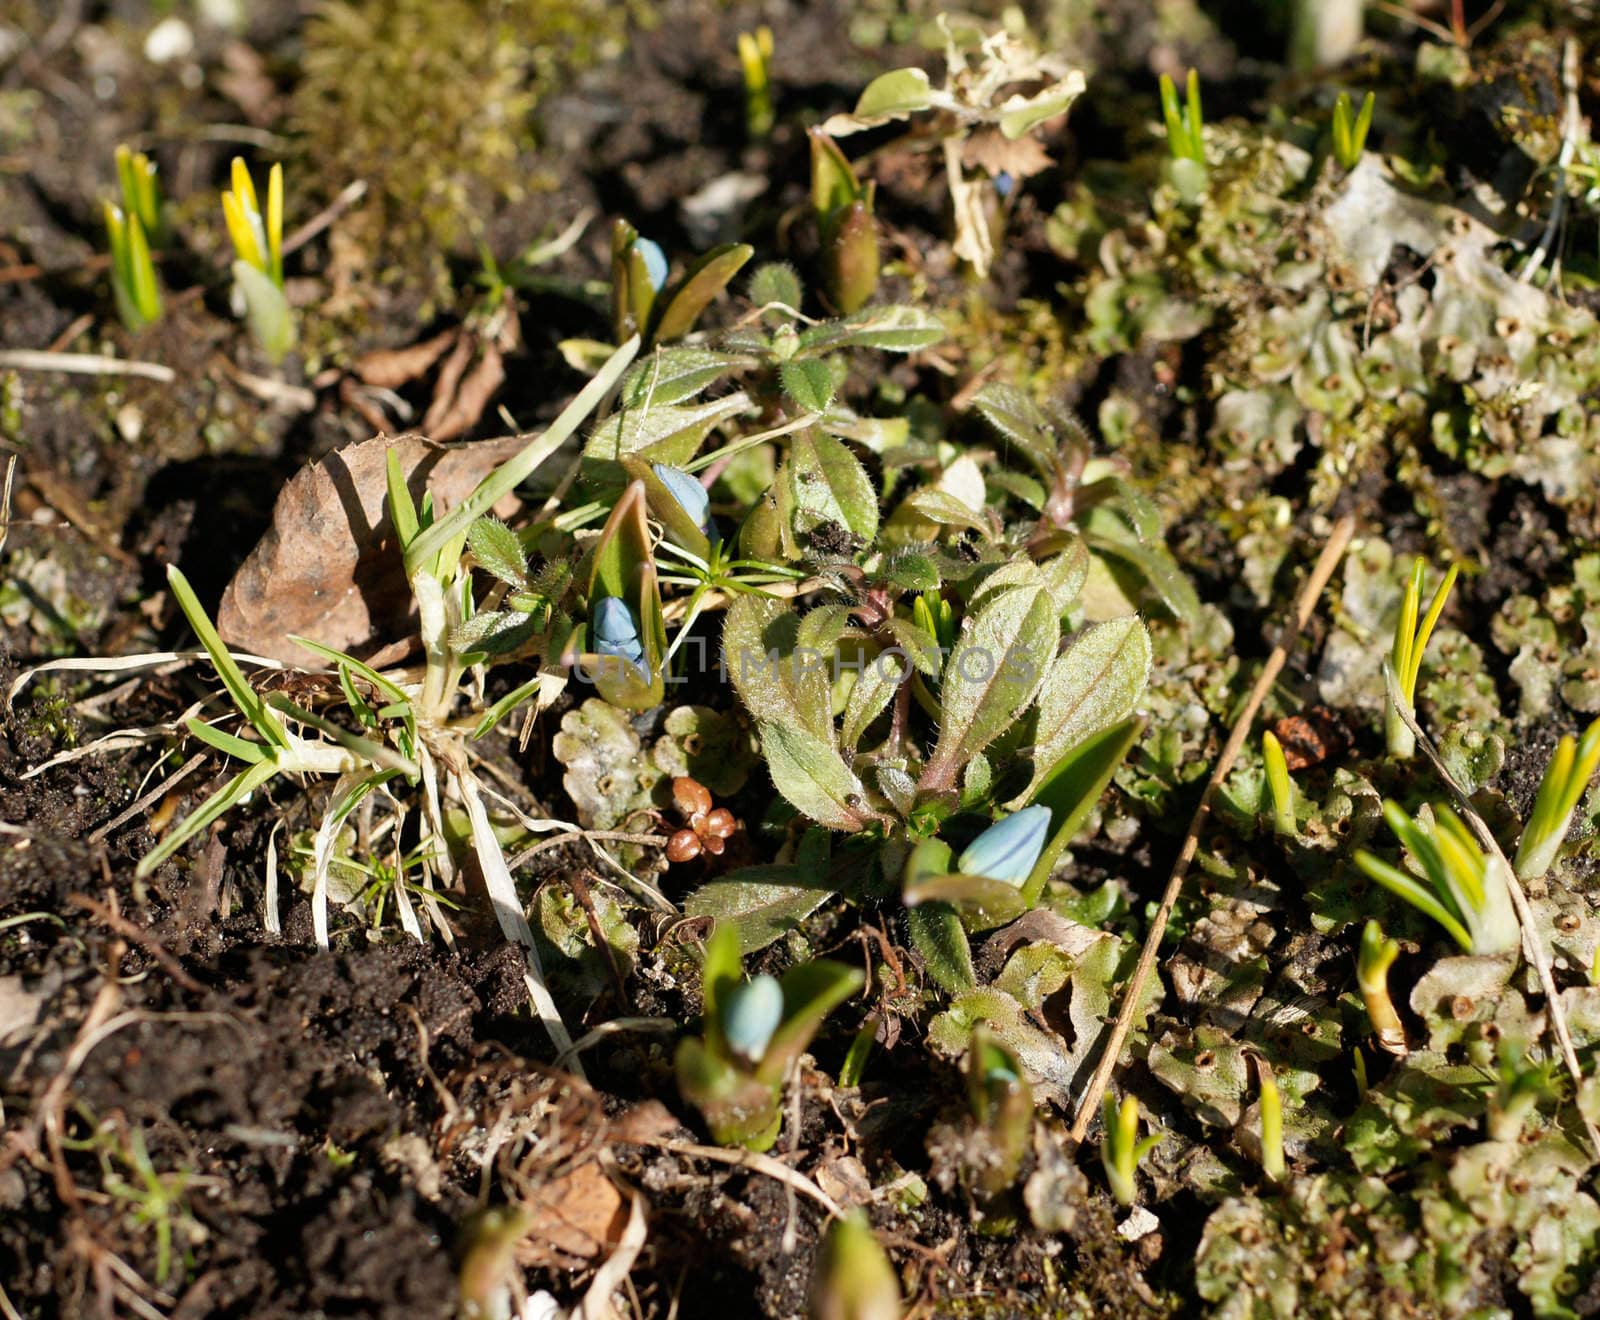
1466 892
1271 1110
133 271
854 1279
1185 122
849 234
1566 779
257 238
755 59
1373 960
1280 789
1350 129
1001 1102
1410 641
1120 1147
131 231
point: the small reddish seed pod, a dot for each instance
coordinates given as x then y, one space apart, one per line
684 846
691 796
720 824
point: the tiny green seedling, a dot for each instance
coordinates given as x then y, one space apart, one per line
1373 960
1001 1103
1350 129
1280 788
1270 1107
854 1279
1121 1149
258 266
1566 779
1410 641
1466 892
1520 1084
755 60
1184 120
754 1031
131 230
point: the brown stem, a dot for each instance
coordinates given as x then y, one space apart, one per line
1327 561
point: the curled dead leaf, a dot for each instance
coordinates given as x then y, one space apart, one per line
329 568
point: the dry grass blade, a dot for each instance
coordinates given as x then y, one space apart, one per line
1332 552
597 1303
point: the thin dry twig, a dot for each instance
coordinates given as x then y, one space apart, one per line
1327 561
146 941
746 1159
84 364
145 799
1519 899
596 1303
348 197
5 500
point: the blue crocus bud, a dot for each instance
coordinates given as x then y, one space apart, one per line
1008 849
655 262
692 497
751 1012
1004 184
615 632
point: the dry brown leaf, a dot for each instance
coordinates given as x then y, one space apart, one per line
988 150
575 1218
390 368
452 415
328 568
460 395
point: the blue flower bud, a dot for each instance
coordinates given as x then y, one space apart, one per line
751 1012
615 632
655 262
692 497
1004 184
1008 849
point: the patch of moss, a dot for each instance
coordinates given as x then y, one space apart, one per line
430 102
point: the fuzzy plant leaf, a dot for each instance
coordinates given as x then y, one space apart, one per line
813 777
680 307
896 328
776 283
827 484
672 375
760 904
1096 683
1020 422
1153 568
877 682
943 509
498 550
670 434
809 382
937 934
992 673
